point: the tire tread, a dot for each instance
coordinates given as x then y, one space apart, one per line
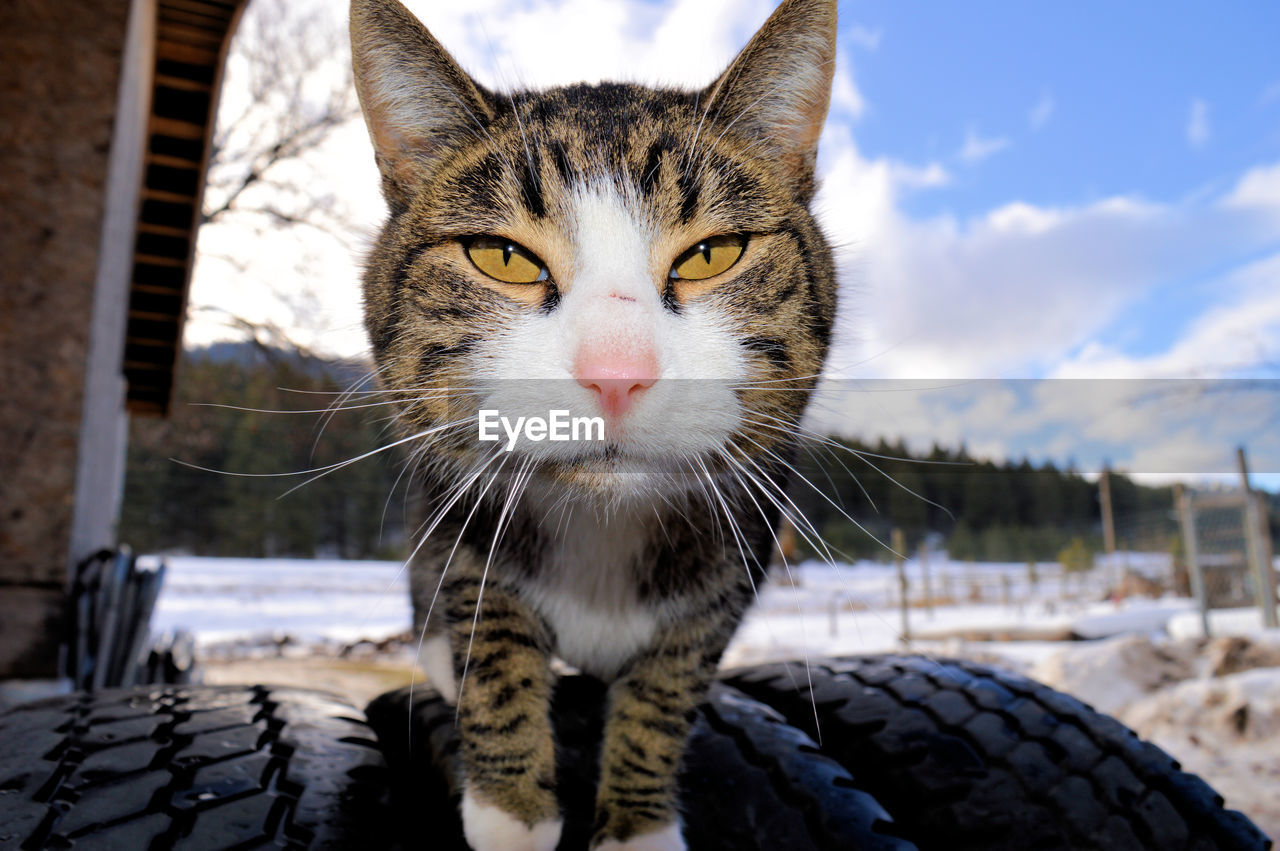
973 757
187 767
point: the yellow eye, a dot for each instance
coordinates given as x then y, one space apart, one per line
710 257
505 260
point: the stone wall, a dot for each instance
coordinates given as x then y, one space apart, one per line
58 95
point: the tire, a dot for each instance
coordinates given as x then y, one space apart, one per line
967 757
749 780
190 767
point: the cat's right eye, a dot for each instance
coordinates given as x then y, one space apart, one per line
506 261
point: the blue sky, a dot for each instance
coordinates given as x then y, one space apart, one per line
1093 98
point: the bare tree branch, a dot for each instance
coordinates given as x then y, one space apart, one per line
288 90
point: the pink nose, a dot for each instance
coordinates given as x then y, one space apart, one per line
618 381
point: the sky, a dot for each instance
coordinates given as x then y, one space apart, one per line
1084 190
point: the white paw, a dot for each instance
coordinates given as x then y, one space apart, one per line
489 828
437 660
668 838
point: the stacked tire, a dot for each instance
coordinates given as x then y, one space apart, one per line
868 753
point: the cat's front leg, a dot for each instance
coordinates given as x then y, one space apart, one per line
650 712
504 692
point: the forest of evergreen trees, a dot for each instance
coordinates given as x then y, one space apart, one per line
976 509
1013 511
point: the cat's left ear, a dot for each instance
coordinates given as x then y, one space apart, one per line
776 92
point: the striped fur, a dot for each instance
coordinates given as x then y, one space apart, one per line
635 560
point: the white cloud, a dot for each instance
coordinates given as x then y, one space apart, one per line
1038 116
1198 130
865 37
1237 334
845 95
538 43
1270 94
1025 289
1259 188
976 148
929 176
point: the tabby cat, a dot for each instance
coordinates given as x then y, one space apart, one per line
641 255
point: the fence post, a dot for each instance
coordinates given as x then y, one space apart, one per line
1268 557
1263 573
1187 516
899 544
928 584
1257 540
1104 507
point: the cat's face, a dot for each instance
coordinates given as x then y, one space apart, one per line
637 255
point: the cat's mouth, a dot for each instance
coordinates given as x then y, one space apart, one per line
618 471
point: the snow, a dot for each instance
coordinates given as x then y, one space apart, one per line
228 599
1112 674
1221 622
841 610
853 609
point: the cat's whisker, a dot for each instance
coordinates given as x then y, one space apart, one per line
444 570
515 489
791 512
458 491
800 476
769 382
831 561
739 540
863 456
380 391
431 432
806 443
804 639
328 468
369 376
327 410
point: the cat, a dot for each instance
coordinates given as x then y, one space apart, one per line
642 256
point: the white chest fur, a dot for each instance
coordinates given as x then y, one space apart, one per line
587 591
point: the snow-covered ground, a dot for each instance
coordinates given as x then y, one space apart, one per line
828 610
222 600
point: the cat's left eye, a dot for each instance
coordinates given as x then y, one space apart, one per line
505 260
709 257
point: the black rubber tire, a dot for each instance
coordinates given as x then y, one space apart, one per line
749 780
191 767
968 757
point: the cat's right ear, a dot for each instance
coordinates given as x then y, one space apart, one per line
417 101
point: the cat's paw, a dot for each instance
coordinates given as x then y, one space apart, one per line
436 659
489 828
667 838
